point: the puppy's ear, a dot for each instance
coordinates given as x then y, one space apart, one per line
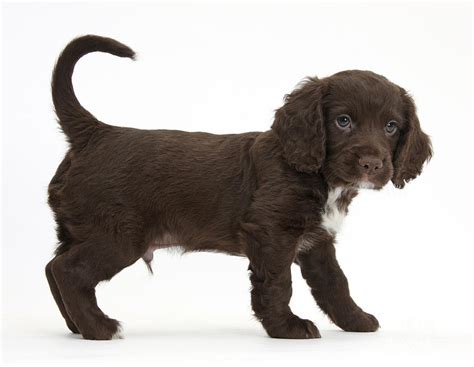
299 126
414 147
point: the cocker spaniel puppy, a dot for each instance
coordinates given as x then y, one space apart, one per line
276 197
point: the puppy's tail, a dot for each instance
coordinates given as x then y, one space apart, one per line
77 123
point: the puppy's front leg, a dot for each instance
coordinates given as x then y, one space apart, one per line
271 288
330 288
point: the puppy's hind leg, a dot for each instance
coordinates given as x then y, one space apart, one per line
57 297
79 270
65 243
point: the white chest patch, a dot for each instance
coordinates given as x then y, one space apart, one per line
333 215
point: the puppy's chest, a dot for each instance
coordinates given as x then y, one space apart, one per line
331 217
335 209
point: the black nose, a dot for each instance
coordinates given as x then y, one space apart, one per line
370 165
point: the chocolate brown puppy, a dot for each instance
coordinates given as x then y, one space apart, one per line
276 197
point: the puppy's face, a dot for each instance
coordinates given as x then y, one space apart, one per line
355 127
364 115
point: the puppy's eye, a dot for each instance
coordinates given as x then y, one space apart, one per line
391 127
343 121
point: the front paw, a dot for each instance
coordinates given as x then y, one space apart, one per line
293 328
359 321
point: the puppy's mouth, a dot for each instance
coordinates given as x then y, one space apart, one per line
370 183
351 179
365 183
362 184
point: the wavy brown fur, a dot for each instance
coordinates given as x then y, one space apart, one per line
120 193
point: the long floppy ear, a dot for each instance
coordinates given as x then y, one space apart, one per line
414 147
300 127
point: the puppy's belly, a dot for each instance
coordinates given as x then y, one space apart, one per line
164 241
168 240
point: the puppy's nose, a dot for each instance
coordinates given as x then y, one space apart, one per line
370 165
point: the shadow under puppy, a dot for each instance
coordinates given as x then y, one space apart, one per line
276 197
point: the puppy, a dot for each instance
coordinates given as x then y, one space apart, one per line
276 197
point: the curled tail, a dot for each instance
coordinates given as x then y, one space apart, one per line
77 123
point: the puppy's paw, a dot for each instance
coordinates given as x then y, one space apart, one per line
359 321
294 328
103 328
71 326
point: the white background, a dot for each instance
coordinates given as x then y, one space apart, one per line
221 68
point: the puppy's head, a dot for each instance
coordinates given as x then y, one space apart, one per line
356 127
